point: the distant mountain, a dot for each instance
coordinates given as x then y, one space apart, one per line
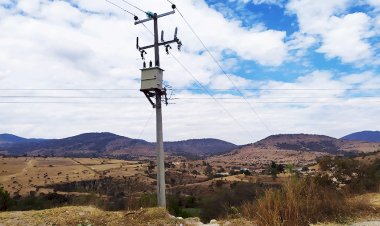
295 148
9 138
200 147
370 136
108 144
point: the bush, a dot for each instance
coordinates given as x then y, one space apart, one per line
298 202
221 204
5 200
356 176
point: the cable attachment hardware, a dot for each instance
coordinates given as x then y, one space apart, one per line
167 47
179 45
142 53
165 95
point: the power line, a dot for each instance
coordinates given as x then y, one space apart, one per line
134 6
212 97
182 89
170 2
204 88
195 102
142 131
224 72
121 8
145 125
179 97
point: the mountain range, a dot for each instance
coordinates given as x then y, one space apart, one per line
283 147
295 148
371 136
108 144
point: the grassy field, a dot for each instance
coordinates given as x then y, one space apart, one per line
110 185
25 174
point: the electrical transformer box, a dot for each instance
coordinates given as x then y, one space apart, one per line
151 78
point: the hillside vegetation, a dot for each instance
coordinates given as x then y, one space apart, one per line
108 144
371 136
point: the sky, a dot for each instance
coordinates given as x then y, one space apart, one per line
270 67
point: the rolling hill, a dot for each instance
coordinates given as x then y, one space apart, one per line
295 148
370 136
108 144
10 139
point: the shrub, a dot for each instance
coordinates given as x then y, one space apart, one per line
221 203
298 202
5 200
358 177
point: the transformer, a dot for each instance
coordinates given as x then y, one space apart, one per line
151 79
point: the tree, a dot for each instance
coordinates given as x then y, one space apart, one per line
280 168
273 170
208 171
5 199
289 168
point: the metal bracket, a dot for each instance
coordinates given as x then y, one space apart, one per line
164 93
149 95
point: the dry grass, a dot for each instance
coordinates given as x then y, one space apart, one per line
24 174
88 216
302 202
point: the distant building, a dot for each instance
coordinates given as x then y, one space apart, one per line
222 174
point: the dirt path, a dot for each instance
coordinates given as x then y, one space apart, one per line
23 171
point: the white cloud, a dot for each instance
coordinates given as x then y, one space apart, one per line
341 35
57 45
259 2
300 43
346 39
222 82
374 3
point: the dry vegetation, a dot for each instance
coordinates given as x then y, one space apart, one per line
335 191
22 175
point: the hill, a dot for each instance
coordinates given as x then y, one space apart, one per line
200 147
108 144
9 139
370 136
295 148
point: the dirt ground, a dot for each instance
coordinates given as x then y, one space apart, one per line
25 174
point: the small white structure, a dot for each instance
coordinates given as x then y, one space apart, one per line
151 78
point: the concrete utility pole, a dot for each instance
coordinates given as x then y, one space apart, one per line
151 86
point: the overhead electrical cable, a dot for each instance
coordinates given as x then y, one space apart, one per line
224 72
184 89
210 94
207 91
177 97
116 5
134 6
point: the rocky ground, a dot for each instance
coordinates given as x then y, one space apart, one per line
90 216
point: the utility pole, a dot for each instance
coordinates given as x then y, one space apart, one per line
151 86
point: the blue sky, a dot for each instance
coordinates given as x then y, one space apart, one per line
277 17
303 66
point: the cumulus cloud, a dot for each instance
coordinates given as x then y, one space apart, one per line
340 34
258 2
89 46
374 3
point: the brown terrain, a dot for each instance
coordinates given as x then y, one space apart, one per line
108 145
294 148
24 175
